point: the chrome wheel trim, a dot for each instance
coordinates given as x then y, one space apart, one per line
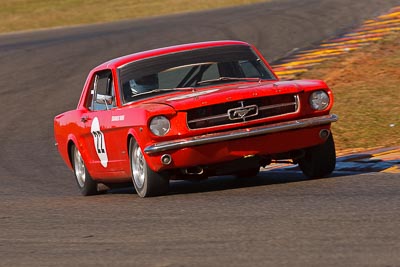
138 167
79 168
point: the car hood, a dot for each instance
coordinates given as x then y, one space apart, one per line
184 100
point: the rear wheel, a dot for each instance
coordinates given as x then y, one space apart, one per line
84 181
319 161
147 182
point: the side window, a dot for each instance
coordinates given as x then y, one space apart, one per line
102 92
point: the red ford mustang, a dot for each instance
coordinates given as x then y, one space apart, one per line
193 111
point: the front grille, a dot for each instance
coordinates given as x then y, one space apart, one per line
240 111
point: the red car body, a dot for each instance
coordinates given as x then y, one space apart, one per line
201 123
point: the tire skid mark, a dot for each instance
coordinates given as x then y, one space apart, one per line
369 32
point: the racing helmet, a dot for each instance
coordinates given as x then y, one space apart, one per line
144 84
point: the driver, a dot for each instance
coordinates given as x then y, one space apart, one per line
144 84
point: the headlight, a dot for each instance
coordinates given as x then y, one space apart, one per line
159 125
319 100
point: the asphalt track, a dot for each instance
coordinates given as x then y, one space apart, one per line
278 218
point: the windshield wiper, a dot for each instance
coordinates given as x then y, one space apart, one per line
222 79
159 90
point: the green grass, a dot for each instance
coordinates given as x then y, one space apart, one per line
366 86
20 15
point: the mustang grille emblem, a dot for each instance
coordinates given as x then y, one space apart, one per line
243 112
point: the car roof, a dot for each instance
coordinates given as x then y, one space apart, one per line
120 61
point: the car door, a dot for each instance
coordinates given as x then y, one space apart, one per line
98 128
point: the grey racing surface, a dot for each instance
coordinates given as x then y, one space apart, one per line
277 218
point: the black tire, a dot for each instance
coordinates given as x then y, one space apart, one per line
319 161
87 186
147 182
249 173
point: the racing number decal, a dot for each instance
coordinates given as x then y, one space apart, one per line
99 142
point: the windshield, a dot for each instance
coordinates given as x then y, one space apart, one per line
191 69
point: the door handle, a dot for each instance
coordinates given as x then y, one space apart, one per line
84 119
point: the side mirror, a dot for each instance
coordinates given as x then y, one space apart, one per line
104 100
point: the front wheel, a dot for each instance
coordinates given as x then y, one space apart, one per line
147 182
319 161
87 186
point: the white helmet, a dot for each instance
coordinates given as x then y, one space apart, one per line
144 84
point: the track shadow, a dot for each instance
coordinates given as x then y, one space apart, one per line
369 162
264 178
381 160
222 183
377 160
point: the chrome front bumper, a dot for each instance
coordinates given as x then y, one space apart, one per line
241 133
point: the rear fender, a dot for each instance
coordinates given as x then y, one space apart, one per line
73 140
